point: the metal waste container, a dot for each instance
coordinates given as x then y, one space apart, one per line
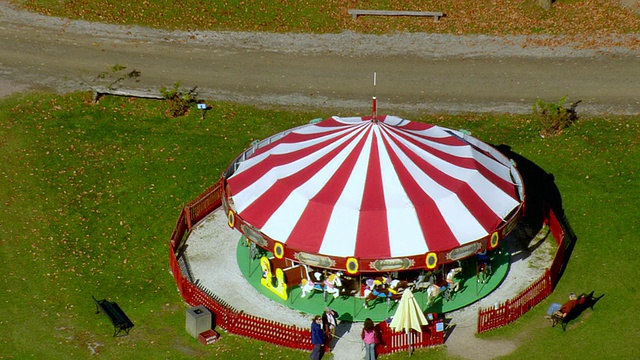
198 320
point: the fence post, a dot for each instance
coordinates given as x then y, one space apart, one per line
187 211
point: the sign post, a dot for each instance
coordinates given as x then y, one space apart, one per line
203 109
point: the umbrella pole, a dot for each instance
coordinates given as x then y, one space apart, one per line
409 335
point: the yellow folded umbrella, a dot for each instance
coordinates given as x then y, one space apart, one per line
408 316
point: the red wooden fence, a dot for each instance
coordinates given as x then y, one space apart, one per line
237 322
393 341
509 311
512 309
228 318
240 323
204 204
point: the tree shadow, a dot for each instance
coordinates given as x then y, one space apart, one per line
541 196
344 327
520 248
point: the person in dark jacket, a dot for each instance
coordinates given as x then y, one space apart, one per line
317 338
329 324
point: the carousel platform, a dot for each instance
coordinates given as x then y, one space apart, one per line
351 308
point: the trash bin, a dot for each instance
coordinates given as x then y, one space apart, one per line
198 320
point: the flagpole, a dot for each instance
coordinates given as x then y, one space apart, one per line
375 101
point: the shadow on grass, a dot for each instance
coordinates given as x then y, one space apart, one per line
542 195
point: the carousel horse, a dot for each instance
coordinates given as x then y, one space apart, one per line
383 293
449 287
398 286
424 280
330 285
451 283
387 289
394 285
433 291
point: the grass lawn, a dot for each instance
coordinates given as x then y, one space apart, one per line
91 194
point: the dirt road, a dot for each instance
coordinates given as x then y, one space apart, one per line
416 73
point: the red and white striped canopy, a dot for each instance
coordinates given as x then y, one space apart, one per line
352 187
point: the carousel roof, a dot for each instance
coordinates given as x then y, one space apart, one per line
352 187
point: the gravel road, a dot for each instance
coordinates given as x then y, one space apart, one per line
416 73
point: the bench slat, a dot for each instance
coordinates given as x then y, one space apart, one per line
98 91
359 12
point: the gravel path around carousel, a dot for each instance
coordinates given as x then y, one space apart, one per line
212 257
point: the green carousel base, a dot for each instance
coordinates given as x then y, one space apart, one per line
352 309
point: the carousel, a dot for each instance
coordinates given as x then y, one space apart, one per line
365 207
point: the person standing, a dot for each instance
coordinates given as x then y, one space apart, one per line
370 339
317 338
329 324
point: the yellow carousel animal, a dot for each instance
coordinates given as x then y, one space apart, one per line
278 285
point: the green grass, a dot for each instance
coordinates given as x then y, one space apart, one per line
91 194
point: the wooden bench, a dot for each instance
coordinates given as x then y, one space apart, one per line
584 301
99 91
118 318
358 12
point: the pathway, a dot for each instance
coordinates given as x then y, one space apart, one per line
417 73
